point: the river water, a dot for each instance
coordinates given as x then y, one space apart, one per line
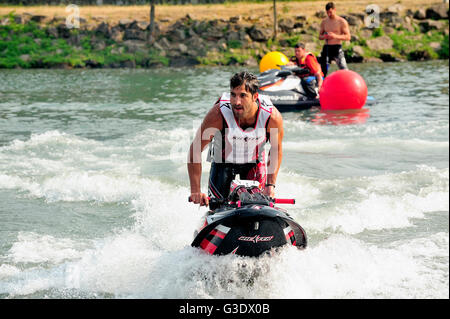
94 187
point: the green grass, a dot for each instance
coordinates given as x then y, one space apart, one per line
225 58
403 43
40 50
443 53
410 43
292 41
155 58
378 32
234 44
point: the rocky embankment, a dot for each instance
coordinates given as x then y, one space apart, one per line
36 41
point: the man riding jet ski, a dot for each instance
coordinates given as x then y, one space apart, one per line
311 81
297 84
247 224
238 128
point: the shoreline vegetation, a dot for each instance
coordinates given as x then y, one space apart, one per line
214 34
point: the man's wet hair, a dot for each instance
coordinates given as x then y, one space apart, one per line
299 45
250 80
330 5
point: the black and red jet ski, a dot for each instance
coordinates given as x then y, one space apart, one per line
247 223
286 90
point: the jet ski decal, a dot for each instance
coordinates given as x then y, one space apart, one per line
289 233
214 238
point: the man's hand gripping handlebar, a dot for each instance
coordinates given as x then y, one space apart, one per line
199 198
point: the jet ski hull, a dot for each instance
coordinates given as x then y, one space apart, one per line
249 231
287 101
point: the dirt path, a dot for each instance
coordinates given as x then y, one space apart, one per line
200 12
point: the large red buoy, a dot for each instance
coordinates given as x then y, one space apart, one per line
343 90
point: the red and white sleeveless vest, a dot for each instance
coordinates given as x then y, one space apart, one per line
241 146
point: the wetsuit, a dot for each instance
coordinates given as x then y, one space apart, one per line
235 151
332 52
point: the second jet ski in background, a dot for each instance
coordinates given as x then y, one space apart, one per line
286 91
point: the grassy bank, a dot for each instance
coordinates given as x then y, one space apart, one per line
33 46
208 41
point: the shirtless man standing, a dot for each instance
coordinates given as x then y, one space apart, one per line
333 30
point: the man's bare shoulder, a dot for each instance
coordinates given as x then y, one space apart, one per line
276 120
215 109
214 117
342 20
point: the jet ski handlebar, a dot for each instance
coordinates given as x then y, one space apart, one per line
223 201
288 70
284 201
248 199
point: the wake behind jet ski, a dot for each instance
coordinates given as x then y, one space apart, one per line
247 223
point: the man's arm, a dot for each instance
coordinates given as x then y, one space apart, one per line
314 66
292 61
319 80
211 123
345 31
276 133
322 35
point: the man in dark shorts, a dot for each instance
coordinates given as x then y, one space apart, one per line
237 126
333 29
